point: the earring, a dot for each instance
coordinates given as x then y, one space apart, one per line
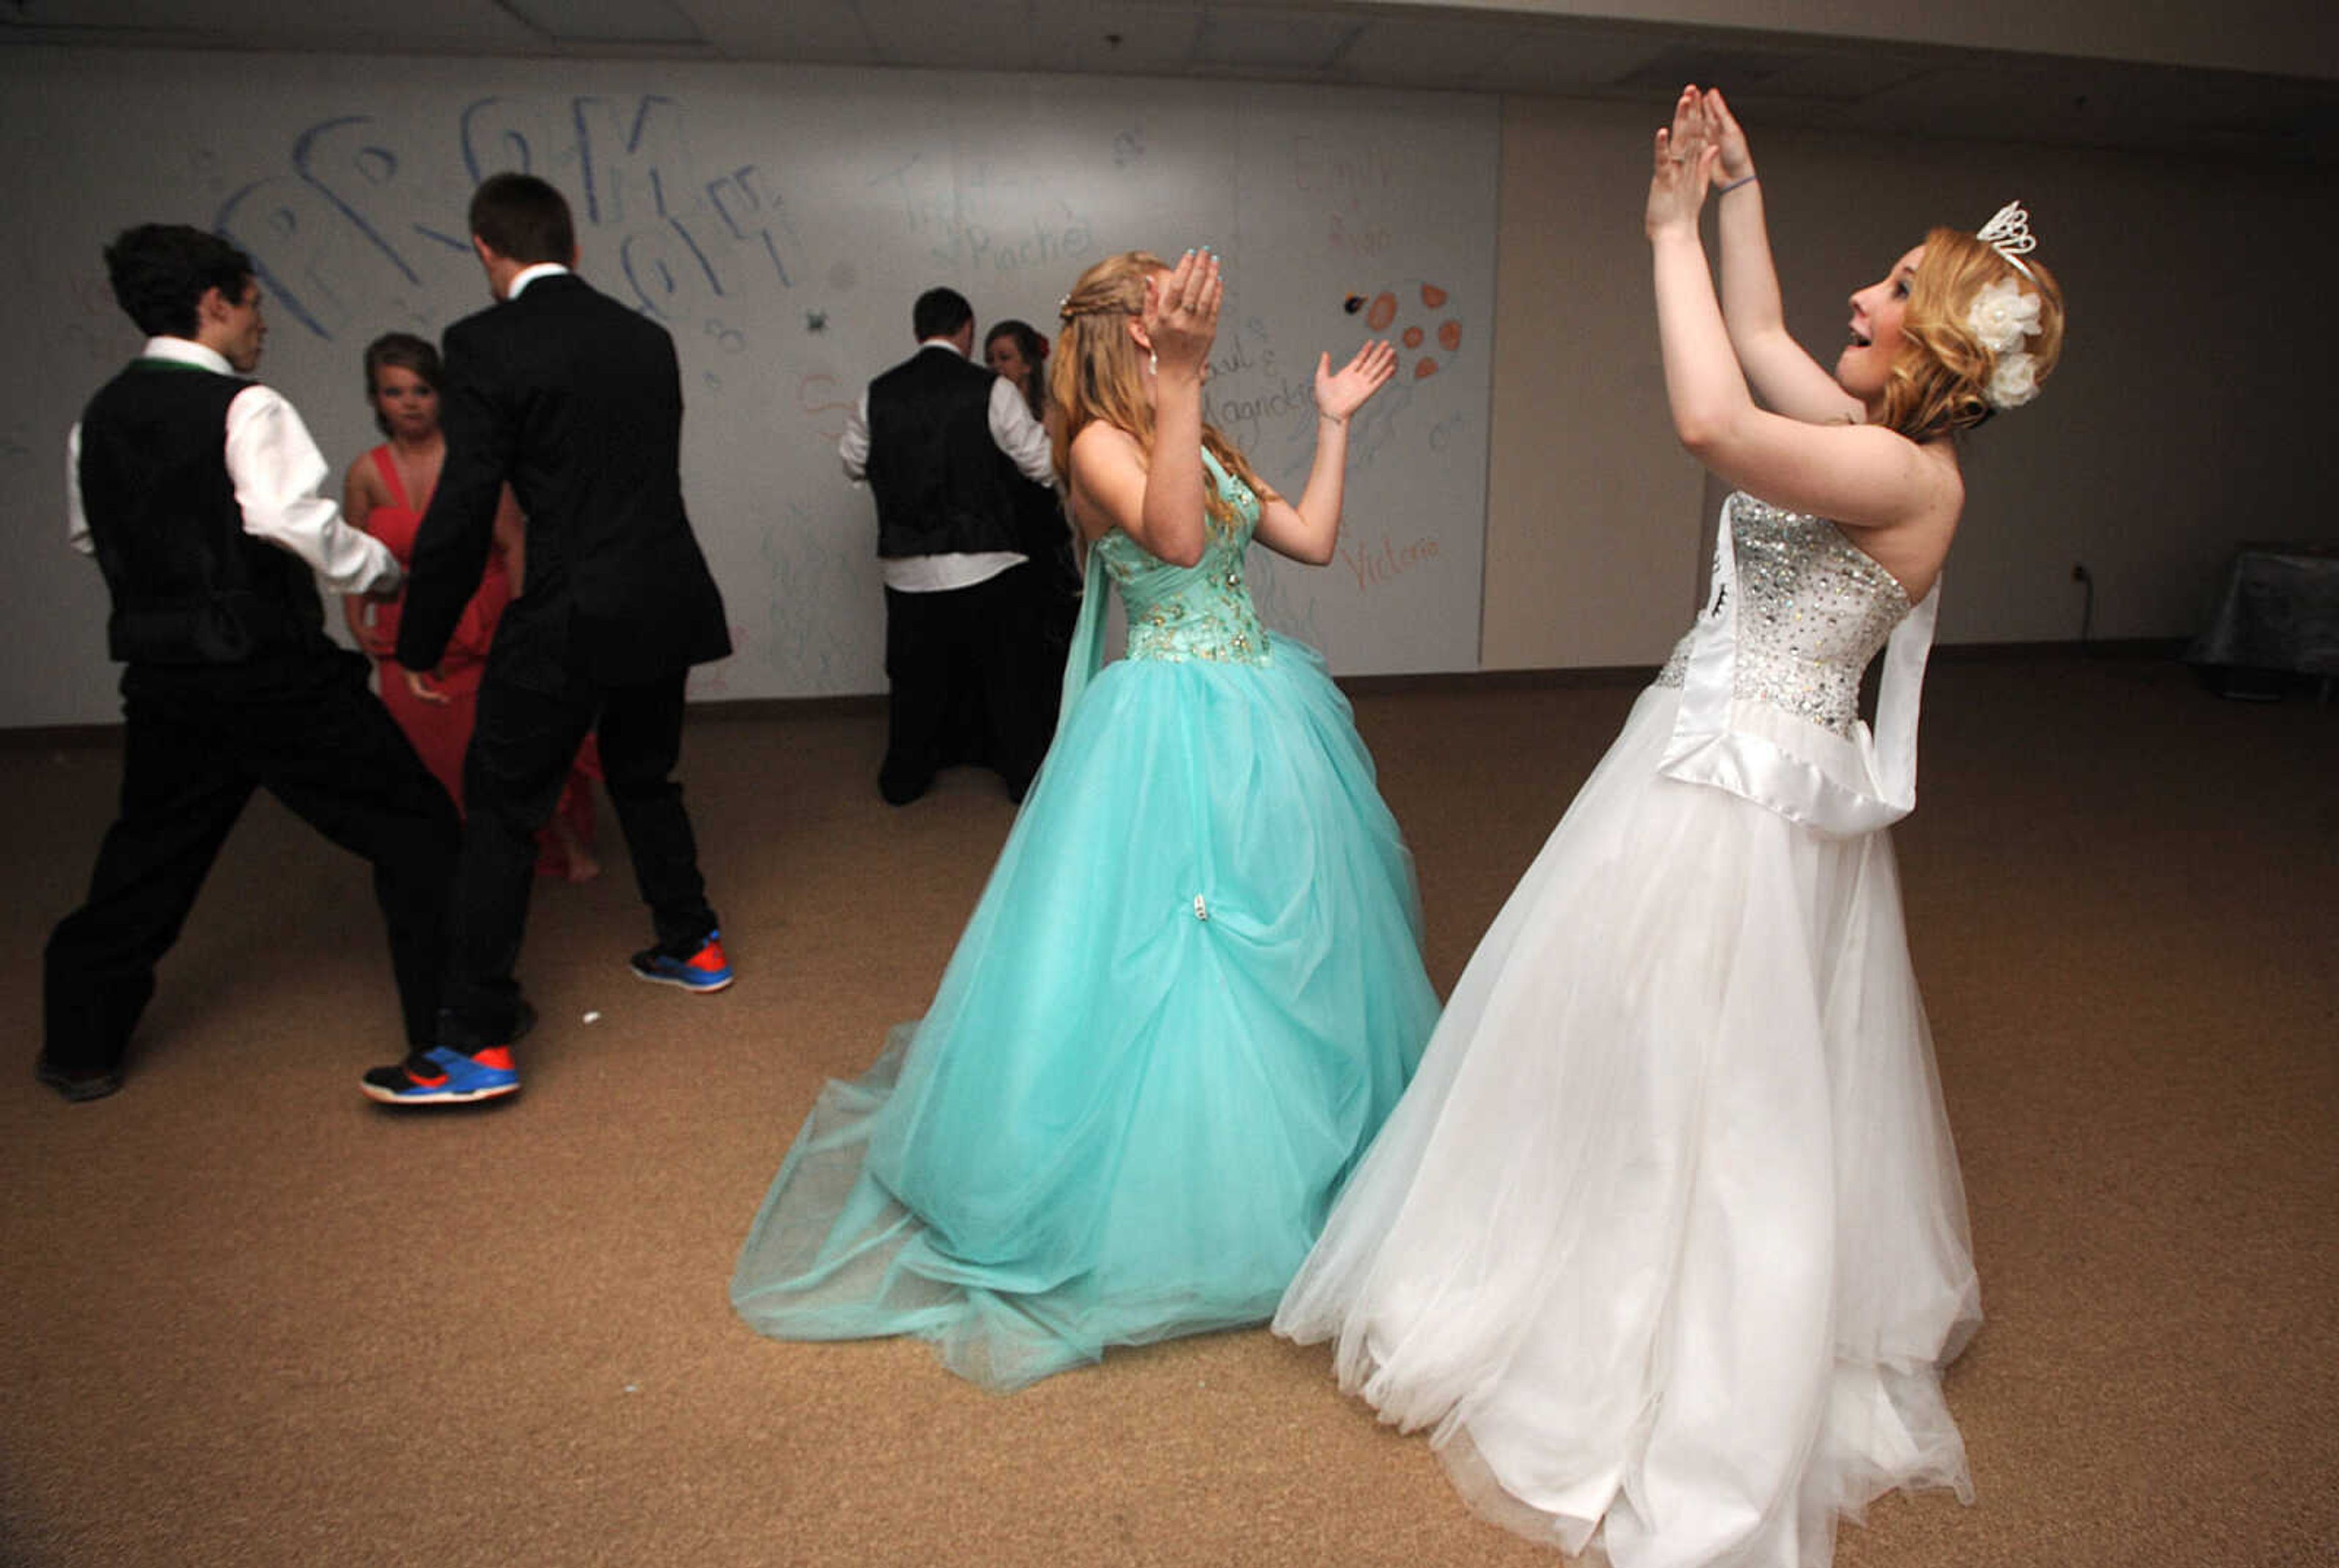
1152 361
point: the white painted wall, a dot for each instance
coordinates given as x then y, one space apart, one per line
2191 412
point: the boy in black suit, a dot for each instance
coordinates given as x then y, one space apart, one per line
575 402
198 491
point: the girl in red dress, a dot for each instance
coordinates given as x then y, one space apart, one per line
388 491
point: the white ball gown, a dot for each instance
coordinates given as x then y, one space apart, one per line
1666 1244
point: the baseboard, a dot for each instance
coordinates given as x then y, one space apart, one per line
2147 649
731 709
63 737
1581 677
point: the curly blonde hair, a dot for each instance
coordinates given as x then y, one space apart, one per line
1940 381
1093 373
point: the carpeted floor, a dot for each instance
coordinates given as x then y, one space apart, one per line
247 1318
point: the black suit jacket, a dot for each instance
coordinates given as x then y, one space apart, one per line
577 402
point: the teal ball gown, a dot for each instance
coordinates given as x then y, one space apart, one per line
1188 998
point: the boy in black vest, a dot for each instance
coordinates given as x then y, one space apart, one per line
952 450
198 492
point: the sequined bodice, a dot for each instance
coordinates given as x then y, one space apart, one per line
1812 610
1200 612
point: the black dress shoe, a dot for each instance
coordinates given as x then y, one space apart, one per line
77 1087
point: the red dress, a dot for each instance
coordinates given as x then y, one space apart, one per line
441 733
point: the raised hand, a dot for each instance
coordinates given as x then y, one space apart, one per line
1341 393
1689 130
1181 312
1722 129
1682 169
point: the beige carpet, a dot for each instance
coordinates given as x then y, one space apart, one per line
249 1319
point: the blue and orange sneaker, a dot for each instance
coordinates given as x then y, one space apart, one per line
442 1077
701 967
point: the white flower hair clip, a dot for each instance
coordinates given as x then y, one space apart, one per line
2002 315
2009 233
2001 318
2013 382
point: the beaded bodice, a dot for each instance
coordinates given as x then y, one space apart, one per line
1813 608
1200 612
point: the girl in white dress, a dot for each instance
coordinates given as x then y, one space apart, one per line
1666 1245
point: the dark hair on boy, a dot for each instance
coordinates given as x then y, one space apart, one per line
524 219
939 312
160 270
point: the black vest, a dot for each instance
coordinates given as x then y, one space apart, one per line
189 586
943 485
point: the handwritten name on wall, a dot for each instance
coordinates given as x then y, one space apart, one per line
989 215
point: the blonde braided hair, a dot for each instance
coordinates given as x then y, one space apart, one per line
1092 374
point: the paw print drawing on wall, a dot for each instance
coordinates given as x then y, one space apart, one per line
1428 335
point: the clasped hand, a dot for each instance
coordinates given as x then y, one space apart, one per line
1686 153
1703 147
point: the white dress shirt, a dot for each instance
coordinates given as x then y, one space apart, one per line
1013 430
530 274
279 476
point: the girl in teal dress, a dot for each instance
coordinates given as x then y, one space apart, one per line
1193 987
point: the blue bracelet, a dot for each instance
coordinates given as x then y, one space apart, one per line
1725 191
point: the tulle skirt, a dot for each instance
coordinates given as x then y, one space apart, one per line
1667 1243
1188 998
